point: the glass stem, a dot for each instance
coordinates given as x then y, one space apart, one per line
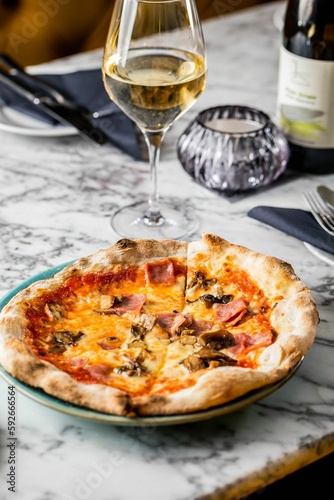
153 216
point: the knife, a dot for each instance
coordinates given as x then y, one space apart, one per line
60 111
13 68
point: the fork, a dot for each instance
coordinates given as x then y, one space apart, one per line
321 212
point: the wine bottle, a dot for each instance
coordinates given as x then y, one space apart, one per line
305 100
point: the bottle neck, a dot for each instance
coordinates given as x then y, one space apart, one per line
309 29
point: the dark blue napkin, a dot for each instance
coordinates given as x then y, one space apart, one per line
297 223
85 88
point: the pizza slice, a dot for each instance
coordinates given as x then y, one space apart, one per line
91 334
254 318
247 321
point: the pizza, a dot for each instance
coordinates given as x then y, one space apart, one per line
159 327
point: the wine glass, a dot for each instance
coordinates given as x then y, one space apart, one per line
154 69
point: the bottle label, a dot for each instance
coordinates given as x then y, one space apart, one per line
305 102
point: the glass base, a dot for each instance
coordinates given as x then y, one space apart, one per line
176 220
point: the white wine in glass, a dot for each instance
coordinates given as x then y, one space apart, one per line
154 69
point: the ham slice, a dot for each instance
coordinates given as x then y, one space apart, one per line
245 342
129 303
232 312
181 320
99 372
199 326
172 322
77 362
160 272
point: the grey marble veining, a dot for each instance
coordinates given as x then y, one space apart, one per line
56 196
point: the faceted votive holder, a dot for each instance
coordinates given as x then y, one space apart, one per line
233 149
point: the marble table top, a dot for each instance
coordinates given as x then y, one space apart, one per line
56 196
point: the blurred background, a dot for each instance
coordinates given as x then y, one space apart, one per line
36 31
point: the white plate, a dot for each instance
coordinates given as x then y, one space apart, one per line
18 123
45 399
321 254
278 16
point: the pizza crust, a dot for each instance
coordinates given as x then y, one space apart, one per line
213 388
294 318
23 365
126 252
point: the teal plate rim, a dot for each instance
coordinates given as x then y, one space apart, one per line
54 403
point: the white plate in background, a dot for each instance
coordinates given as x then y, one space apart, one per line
321 254
19 123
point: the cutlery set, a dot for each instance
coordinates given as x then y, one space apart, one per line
321 203
50 100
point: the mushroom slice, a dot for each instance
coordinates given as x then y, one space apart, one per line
147 321
57 349
187 339
142 326
141 354
130 367
107 302
54 311
201 281
208 354
66 337
209 299
193 363
207 358
217 339
138 331
63 339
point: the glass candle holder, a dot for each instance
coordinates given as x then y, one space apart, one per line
233 149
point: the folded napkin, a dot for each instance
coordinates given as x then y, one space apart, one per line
86 89
297 223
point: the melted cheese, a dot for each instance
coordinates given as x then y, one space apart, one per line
147 363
